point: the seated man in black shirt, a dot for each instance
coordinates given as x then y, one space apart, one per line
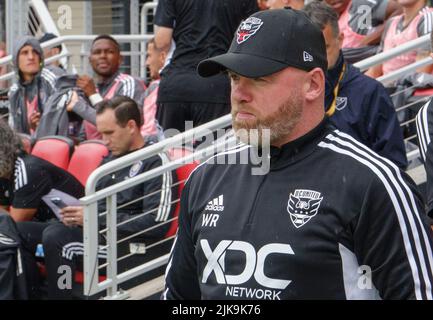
118 121
25 179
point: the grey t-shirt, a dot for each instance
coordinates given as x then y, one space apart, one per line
365 15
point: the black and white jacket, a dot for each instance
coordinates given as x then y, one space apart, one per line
330 220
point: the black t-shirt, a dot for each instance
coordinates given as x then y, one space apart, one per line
201 29
34 178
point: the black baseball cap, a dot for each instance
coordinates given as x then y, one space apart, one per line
49 36
269 41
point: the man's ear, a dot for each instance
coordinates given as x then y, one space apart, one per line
162 57
131 126
315 85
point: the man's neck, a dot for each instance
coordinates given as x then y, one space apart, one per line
100 79
137 143
27 78
410 12
306 124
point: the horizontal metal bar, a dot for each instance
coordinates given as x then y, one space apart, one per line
101 194
85 38
384 56
412 104
147 152
404 71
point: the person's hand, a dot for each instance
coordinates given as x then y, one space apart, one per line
74 100
73 216
86 84
35 117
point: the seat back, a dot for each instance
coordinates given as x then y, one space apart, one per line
86 158
55 149
182 174
423 92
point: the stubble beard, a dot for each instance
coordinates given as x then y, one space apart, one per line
272 129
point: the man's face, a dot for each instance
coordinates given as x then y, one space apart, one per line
117 138
333 45
105 58
154 61
28 60
273 102
338 5
50 52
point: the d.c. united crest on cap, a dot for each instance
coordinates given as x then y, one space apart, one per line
248 28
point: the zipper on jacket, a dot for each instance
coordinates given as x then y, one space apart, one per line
258 193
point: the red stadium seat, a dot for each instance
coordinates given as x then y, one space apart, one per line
79 276
423 92
182 174
86 158
55 149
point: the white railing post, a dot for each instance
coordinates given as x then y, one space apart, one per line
90 241
143 21
47 22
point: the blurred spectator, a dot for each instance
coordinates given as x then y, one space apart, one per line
155 62
355 103
105 59
279 4
35 85
362 23
415 22
50 52
119 121
25 179
201 29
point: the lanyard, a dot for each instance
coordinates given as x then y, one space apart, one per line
331 110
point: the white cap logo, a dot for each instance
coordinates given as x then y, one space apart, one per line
308 57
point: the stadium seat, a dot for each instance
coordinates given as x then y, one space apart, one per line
86 158
182 174
55 149
79 276
423 92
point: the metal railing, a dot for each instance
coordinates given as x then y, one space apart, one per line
83 39
111 284
384 56
91 229
42 22
91 232
146 10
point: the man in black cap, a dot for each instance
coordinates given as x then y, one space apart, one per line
330 219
